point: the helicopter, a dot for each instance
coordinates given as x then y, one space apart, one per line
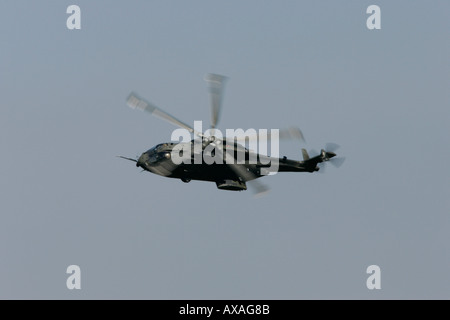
235 168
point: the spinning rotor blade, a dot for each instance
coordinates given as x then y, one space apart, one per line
329 156
216 85
248 176
135 102
292 133
331 147
241 171
337 162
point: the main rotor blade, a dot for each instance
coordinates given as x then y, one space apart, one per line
216 85
292 133
136 102
248 176
241 171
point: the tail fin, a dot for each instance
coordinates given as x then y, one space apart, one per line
305 154
310 164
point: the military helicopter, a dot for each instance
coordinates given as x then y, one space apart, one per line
230 173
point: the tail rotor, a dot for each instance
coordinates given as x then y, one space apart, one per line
328 155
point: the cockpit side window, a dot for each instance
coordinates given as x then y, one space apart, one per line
161 147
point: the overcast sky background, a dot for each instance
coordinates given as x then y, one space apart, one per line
383 95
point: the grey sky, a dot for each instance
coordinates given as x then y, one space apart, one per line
383 95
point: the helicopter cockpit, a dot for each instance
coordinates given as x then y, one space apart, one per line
159 152
160 148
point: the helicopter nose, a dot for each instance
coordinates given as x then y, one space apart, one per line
142 160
